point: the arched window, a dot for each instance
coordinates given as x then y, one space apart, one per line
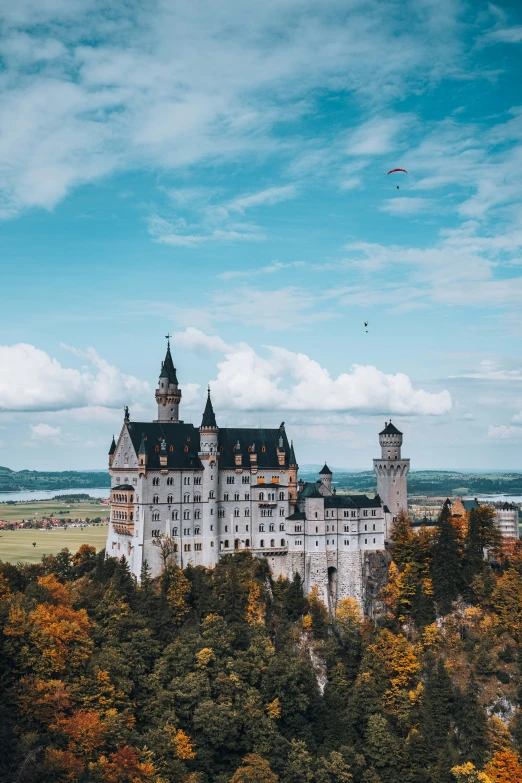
236 512
225 496
174 515
247 542
316 514
226 544
186 498
197 514
236 496
247 512
282 542
261 528
262 544
261 496
263 449
186 514
155 499
197 498
221 512
171 448
169 499
281 496
174 531
272 527
131 516
236 543
281 527
197 531
155 516
272 542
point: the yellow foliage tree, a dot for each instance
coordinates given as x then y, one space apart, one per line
505 767
177 592
254 769
467 773
183 745
273 709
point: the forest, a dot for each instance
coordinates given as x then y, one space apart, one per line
227 676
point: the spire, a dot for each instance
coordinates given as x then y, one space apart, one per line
325 471
167 367
209 418
113 447
143 448
292 460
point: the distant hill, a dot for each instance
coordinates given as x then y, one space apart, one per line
27 480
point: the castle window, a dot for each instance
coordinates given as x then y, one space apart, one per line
174 531
247 496
175 548
236 512
271 527
197 479
169 499
221 512
365 540
226 544
247 542
186 479
170 481
261 528
366 527
261 496
281 512
347 528
353 513
184 449
236 543
236 496
317 543
171 449
155 481
155 534
365 513
327 528
345 513
237 529
316 529
186 547
262 544
230 479
281 496
374 540
186 531
212 544
316 514
198 547
174 515
197 514
374 527
281 527
247 512
186 514
282 542
155 499
246 479
347 542
272 542
226 528
374 513
197 531
225 496
246 528
197 498
156 448
211 494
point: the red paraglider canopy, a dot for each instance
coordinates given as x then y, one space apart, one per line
392 170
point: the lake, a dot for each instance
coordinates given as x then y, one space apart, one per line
49 494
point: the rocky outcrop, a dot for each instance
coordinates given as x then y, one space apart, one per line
375 576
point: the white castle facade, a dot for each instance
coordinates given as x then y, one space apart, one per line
210 491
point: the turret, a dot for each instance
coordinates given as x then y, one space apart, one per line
325 477
142 456
112 451
392 471
168 393
390 439
209 456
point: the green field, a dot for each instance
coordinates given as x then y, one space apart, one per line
56 508
17 545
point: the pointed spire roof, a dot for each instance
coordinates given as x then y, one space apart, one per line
143 448
209 417
291 459
325 471
167 367
390 429
113 446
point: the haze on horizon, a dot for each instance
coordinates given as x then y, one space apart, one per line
219 174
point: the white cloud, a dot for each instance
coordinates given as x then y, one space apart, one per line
286 380
505 35
193 339
376 136
270 269
502 432
175 233
101 89
492 370
31 380
517 418
405 205
268 196
44 431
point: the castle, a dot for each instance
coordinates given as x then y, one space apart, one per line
209 491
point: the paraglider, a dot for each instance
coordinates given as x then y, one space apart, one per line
365 325
394 171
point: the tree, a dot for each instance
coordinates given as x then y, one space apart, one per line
254 769
167 546
505 767
467 773
446 569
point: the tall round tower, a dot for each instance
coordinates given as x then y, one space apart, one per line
209 456
168 393
392 471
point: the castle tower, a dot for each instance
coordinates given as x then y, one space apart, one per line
168 394
209 456
392 471
325 477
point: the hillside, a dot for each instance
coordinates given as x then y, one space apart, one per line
225 676
18 481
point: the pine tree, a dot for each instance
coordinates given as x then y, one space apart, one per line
446 569
472 724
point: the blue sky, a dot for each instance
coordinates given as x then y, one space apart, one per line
218 172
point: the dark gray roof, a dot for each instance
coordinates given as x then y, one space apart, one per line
310 490
296 516
351 501
209 417
325 471
183 443
124 486
167 368
471 505
292 460
390 429
113 446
